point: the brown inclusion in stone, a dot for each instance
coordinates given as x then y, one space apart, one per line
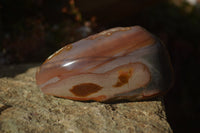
85 89
123 78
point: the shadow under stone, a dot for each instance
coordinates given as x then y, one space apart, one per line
13 70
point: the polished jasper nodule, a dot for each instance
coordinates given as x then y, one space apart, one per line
119 63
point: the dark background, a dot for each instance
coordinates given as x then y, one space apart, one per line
31 30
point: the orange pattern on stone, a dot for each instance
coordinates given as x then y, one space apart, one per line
123 78
85 89
66 48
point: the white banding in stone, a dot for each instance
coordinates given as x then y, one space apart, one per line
53 80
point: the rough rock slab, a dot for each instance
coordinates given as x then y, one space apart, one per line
25 109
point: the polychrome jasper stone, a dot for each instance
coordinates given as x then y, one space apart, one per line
120 63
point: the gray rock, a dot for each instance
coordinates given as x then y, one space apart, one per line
25 109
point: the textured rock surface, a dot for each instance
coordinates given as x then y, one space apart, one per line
24 108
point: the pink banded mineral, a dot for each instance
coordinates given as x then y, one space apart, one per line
120 63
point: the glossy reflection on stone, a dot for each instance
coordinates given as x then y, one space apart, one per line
119 63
